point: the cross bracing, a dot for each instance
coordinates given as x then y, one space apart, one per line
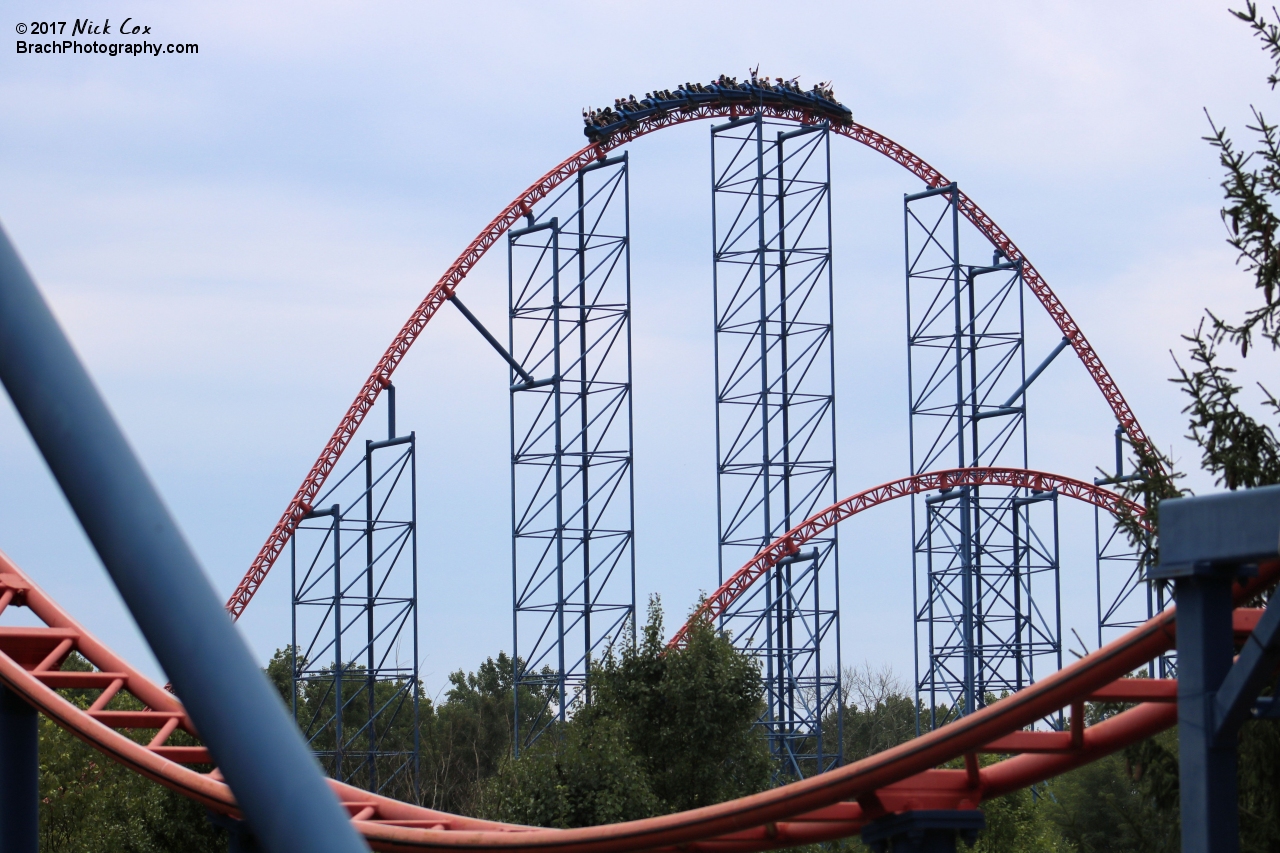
775 420
991 612
986 561
354 643
1125 596
573 561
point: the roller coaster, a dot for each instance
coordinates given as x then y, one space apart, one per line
230 709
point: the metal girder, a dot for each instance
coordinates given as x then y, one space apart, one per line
1125 596
986 594
354 572
775 420
573 548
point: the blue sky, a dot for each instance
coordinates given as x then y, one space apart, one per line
232 238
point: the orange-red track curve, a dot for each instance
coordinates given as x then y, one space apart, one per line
300 505
789 543
833 805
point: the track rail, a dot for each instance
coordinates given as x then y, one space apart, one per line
833 805
789 543
300 505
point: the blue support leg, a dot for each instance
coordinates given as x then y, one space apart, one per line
19 775
1206 544
1208 787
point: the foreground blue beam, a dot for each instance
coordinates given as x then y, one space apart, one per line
1254 668
1206 545
19 775
240 717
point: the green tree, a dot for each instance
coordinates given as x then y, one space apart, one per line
472 732
1103 808
584 775
689 713
666 730
878 712
1019 823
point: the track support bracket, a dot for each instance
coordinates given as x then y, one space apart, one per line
528 380
1207 544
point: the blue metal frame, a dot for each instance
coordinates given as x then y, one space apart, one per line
572 495
19 774
775 419
239 714
354 577
1206 544
986 598
1126 597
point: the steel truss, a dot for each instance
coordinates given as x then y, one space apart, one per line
986 578
573 549
775 420
1126 597
354 566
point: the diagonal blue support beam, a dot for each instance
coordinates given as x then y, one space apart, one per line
238 713
493 342
1254 668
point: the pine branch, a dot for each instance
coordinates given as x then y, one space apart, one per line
1267 32
1236 448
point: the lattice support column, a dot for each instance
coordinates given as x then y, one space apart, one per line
1126 596
775 419
573 549
354 567
988 617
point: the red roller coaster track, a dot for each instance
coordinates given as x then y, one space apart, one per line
300 505
833 805
789 543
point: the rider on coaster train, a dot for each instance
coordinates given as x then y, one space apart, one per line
602 123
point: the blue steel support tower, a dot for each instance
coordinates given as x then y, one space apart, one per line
775 420
986 592
1126 595
354 569
573 551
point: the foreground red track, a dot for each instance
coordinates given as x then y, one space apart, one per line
834 805
300 505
